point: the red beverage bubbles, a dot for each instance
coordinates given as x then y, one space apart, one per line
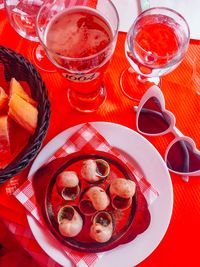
78 32
158 38
79 39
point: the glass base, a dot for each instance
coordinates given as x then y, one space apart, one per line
134 86
87 102
41 60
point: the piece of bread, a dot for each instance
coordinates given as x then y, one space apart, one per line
3 99
16 88
23 113
4 135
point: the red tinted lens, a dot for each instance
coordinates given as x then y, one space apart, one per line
182 158
152 120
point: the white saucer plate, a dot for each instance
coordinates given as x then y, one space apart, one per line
143 153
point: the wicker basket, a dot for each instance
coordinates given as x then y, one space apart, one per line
15 65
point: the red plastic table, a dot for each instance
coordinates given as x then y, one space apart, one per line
179 247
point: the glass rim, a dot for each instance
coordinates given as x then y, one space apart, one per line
79 58
159 8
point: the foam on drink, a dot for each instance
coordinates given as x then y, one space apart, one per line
78 32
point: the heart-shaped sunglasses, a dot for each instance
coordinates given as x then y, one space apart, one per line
182 156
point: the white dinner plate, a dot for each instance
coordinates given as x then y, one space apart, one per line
151 163
129 9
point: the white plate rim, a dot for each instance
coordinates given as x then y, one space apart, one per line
153 167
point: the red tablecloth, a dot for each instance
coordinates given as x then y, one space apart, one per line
179 247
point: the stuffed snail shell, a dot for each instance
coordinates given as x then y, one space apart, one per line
67 183
121 192
94 199
102 227
94 171
70 222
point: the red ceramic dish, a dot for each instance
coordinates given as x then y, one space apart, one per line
127 224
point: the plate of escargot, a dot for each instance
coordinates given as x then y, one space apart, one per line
93 202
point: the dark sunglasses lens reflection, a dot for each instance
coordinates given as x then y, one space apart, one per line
152 120
182 158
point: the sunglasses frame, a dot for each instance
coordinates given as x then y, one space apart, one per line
156 92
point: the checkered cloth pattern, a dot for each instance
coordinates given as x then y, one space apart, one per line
86 138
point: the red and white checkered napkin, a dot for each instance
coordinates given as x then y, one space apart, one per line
87 137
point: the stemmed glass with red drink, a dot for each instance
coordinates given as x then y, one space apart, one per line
80 41
155 45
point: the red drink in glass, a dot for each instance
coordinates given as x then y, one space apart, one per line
155 45
78 37
159 39
80 41
78 33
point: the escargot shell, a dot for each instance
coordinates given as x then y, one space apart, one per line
102 227
121 192
67 183
70 221
95 199
95 170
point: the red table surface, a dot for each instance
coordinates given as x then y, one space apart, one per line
179 247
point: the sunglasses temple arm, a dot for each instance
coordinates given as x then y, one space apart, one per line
177 132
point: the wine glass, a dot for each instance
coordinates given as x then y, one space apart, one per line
155 45
80 41
22 17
